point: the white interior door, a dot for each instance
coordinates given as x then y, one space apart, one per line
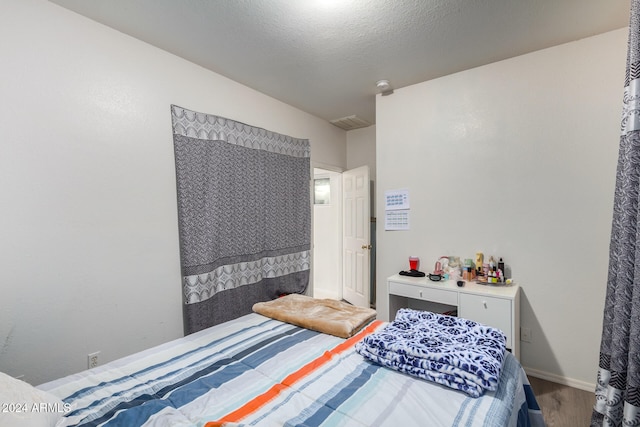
356 246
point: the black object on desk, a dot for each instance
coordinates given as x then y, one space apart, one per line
412 273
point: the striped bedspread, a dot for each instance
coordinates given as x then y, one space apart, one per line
258 371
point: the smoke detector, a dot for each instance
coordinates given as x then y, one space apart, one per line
384 87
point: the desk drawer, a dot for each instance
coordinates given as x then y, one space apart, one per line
490 311
441 296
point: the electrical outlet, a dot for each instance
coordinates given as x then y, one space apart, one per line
525 334
92 359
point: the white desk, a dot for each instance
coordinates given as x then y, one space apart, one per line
497 306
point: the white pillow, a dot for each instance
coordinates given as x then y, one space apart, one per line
23 405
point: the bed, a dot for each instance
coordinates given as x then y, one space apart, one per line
255 370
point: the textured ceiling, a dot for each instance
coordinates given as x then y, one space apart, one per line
325 56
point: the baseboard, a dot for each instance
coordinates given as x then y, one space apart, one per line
571 382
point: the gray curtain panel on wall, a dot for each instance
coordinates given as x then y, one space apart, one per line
244 215
618 386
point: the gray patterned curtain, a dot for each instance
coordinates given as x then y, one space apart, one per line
618 387
244 215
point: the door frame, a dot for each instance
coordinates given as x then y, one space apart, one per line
372 238
357 243
331 169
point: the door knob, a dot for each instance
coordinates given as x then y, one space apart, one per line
366 246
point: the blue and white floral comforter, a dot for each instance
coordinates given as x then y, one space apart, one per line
455 352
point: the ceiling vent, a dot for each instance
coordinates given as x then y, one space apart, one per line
350 123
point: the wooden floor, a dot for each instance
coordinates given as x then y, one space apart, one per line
561 405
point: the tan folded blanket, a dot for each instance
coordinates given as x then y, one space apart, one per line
329 316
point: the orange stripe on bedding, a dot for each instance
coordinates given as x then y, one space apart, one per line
264 398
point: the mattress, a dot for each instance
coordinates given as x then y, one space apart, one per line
258 371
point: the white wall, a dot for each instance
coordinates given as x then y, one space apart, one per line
89 256
361 148
515 159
